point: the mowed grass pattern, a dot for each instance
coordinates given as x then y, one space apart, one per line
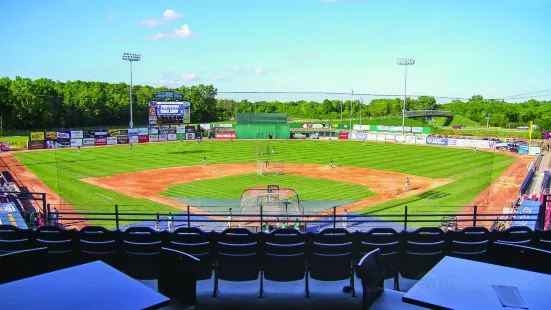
232 187
62 169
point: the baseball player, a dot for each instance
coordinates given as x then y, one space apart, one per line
78 148
331 163
273 150
406 187
130 145
474 150
229 218
204 160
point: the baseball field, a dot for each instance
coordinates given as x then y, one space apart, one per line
167 177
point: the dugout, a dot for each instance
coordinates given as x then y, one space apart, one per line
262 131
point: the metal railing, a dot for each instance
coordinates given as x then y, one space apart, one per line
330 218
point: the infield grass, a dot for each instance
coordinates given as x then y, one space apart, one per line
62 169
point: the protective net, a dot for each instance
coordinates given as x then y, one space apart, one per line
277 205
266 167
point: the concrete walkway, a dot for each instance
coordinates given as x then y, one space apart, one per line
535 188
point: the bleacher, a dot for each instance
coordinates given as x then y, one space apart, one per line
258 261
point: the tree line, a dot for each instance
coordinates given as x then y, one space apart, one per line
48 104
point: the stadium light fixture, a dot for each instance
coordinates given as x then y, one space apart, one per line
405 62
131 57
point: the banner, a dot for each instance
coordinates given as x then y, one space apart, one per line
172 130
225 135
343 135
36 136
380 137
437 141
190 136
100 141
152 120
143 131
89 141
180 129
357 136
76 142
171 137
393 128
420 140
62 143
417 129
180 136
132 131
64 135
316 126
100 133
482 144
204 126
152 110
51 135
390 138
111 140
410 139
400 139
36 145
171 108
86 134
371 137
77 134
163 131
133 139
117 132
163 138
143 139
361 127
534 150
122 140
222 125
523 149
153 138
153 131
190 130
4 146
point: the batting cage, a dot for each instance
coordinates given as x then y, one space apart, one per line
267 167
276 207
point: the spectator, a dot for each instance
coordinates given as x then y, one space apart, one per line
229 217
157 226
345 219
55 217
170 222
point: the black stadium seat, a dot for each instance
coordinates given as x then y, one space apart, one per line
98 243
13 239
469 243
194 241
141 249
422 249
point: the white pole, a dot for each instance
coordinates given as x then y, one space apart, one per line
350 117
361 103
131 121
405 98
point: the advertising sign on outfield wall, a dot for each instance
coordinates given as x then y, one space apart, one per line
380 137
51 135
153 131
111 140
482 144
100 133
534 150
64 135
133 139
417 129
76 142
36 145
163 138
316 126
133 131
152 120
390 138
180 130
153 138
37 136
222 125
122 140
225 135
400 139
371 137
437 141
357 136
410 139
100 141
171 130
59 144
420 140
89 141
88 134
180 136
361 127
343 135
392 128
143 131
77 134
143 139
4 146
171 137
204 126
190 135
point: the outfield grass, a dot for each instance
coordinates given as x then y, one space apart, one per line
487 132
62 169
232 187
457 120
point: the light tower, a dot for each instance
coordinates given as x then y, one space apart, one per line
131 57
405 62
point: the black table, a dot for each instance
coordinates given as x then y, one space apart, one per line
456 283
90 286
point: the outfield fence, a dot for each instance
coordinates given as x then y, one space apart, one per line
218 220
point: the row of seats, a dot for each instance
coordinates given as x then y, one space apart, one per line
282 255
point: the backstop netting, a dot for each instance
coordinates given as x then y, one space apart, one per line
267 167
277 206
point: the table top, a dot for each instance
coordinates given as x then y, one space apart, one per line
94 285
456 283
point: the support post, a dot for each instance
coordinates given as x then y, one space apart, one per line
334 217
474 216
117 216
188 218
44 204
405 218
261 216
47 220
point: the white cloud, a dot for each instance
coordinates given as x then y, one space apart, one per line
189 76
151 22
182 33
219 78
171 15
89 75
256 70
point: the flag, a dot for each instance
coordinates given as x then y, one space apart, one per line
530 131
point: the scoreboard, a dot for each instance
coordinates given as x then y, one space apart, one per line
169 109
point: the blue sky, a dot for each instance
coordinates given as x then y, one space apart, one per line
461 47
